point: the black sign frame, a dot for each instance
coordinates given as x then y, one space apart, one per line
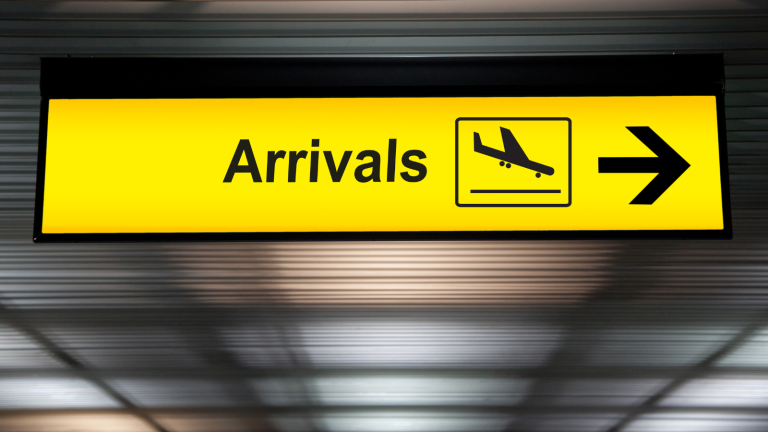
493 76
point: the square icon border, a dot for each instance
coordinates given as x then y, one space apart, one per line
570 160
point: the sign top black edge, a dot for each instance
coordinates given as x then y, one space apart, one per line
205 77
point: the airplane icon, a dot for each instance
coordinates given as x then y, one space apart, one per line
512 154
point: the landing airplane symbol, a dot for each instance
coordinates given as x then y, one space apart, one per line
513 154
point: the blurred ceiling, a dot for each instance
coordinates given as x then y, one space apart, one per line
380 9
599 336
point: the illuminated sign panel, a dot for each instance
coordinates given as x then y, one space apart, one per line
364 166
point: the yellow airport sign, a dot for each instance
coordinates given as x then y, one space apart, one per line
382 165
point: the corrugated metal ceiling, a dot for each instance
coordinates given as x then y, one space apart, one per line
514 336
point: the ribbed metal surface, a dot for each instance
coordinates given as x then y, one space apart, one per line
511 336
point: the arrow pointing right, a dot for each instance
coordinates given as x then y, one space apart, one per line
668 164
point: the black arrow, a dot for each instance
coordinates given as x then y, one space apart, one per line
668 164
